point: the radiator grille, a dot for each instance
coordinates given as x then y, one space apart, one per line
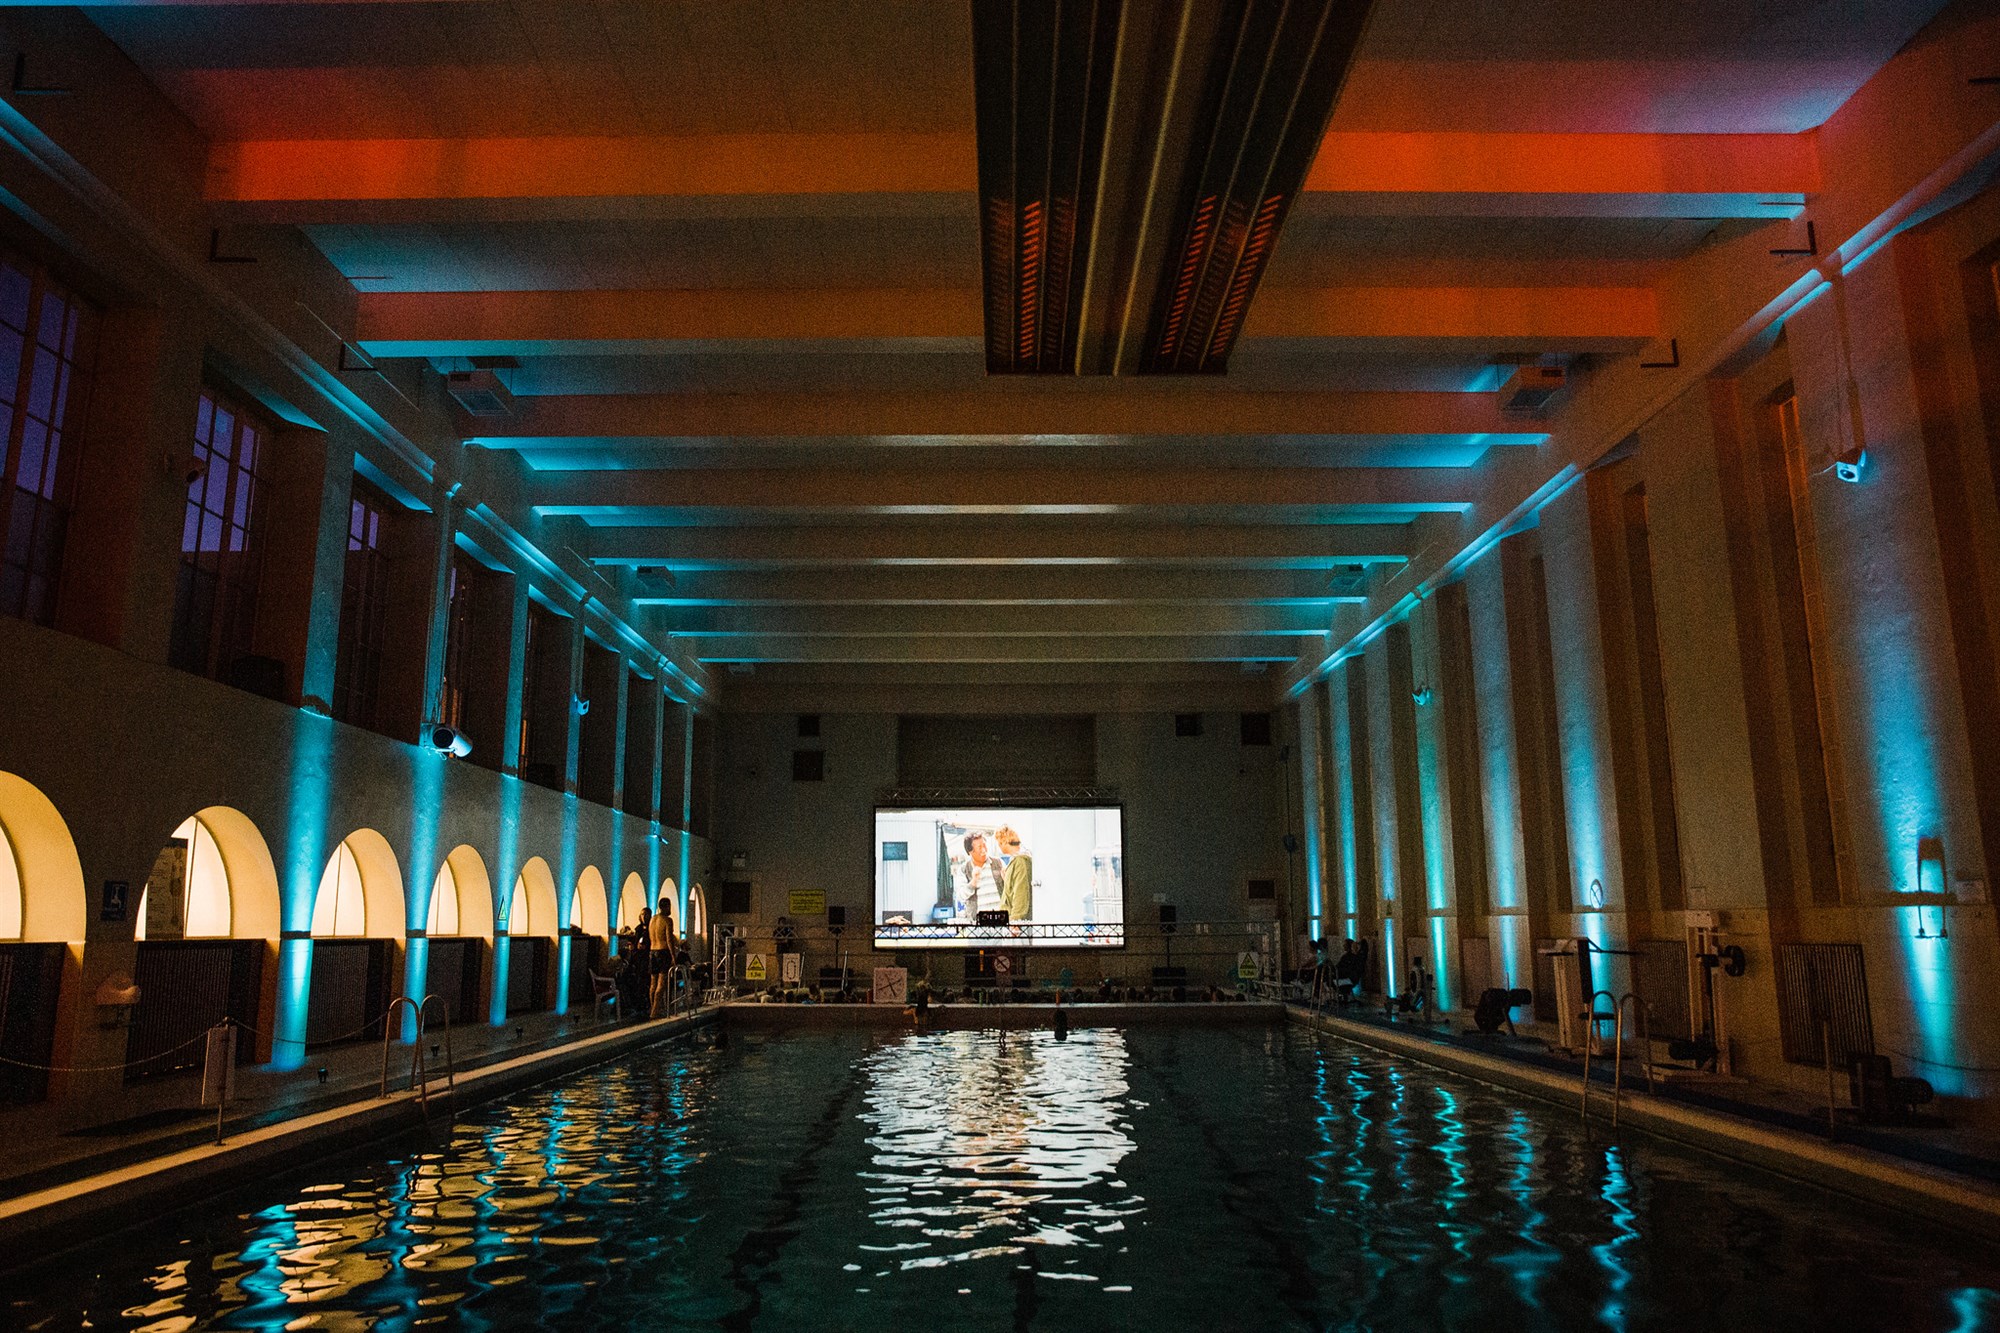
1823 984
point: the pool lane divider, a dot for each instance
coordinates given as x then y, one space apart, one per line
1912 1187
92 1210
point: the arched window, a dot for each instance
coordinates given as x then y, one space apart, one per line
519 920
444 918
192 873
11 902
340 907
588 910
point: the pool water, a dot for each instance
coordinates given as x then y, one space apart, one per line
1218 1178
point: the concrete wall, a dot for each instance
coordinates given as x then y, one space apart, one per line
1203 816
1828 767
160 745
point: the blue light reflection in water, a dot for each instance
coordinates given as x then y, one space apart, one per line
1150 1178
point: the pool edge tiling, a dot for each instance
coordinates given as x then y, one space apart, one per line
1931 1192
45 1222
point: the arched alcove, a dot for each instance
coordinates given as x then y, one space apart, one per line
42 914
205 921
588 910
531 908
531 925
41 878
359 917
672 893
631 897
459 927
361 891
697 912
465 870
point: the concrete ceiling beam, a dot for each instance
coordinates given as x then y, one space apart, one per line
1277 546
335 180
1276 650
972 587
554 323
1079 491
702 630
1054 409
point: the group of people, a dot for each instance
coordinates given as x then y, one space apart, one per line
1345 977
648 953
999 877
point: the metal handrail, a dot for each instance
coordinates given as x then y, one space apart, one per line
1590 1019
419 1070
417 1048
1642 1024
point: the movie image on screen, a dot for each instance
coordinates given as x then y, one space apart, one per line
1006 876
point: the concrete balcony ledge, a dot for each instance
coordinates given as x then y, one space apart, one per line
1966 1199
42 1222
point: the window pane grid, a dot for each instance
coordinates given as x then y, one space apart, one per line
215 602
44 345
458 629
363 612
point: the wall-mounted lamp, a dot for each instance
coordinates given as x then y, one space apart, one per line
1423 696
579 705
1851 466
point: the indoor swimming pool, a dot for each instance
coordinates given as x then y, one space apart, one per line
1154 1178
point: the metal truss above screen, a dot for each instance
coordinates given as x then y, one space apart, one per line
1135 165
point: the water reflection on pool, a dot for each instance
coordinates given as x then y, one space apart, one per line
1214 1178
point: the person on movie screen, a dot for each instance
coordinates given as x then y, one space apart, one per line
1017 890
981 875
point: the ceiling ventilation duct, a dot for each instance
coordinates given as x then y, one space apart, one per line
1043 80
1135 164
1273 75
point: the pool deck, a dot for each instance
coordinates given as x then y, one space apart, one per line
91 1204
1884 1167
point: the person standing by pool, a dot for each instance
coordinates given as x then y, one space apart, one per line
660 939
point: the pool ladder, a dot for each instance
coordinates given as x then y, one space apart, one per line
1592 1018
419 1072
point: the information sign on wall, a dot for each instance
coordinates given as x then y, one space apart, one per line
753 967
806 902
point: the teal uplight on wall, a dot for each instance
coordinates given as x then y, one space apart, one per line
427 793
305 855
1509 929
507 868
565 899
1441 964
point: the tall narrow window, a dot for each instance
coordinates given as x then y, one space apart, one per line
215 598
457 633
45 353
363 609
